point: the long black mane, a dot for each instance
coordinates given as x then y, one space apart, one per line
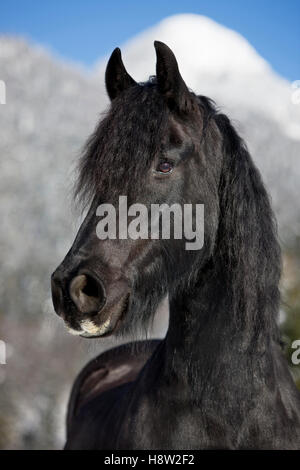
247 238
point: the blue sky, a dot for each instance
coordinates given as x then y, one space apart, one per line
85 30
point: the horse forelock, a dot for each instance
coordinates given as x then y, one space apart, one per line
123 144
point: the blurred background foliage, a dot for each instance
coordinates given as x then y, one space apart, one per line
290 326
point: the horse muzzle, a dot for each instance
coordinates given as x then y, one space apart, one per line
88 308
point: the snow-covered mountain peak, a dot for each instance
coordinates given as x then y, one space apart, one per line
199 43
217 62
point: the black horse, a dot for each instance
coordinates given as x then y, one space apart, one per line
218 379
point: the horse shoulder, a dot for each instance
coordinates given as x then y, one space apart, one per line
107 372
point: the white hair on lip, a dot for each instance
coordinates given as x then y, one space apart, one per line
90 327
74 332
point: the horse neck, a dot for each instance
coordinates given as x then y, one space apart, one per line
205 340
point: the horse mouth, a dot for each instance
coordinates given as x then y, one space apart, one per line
91 328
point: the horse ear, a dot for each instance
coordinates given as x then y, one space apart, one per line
116 77
169 81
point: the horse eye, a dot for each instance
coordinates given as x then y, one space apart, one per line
164 167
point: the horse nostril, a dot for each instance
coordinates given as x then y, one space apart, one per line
87 293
